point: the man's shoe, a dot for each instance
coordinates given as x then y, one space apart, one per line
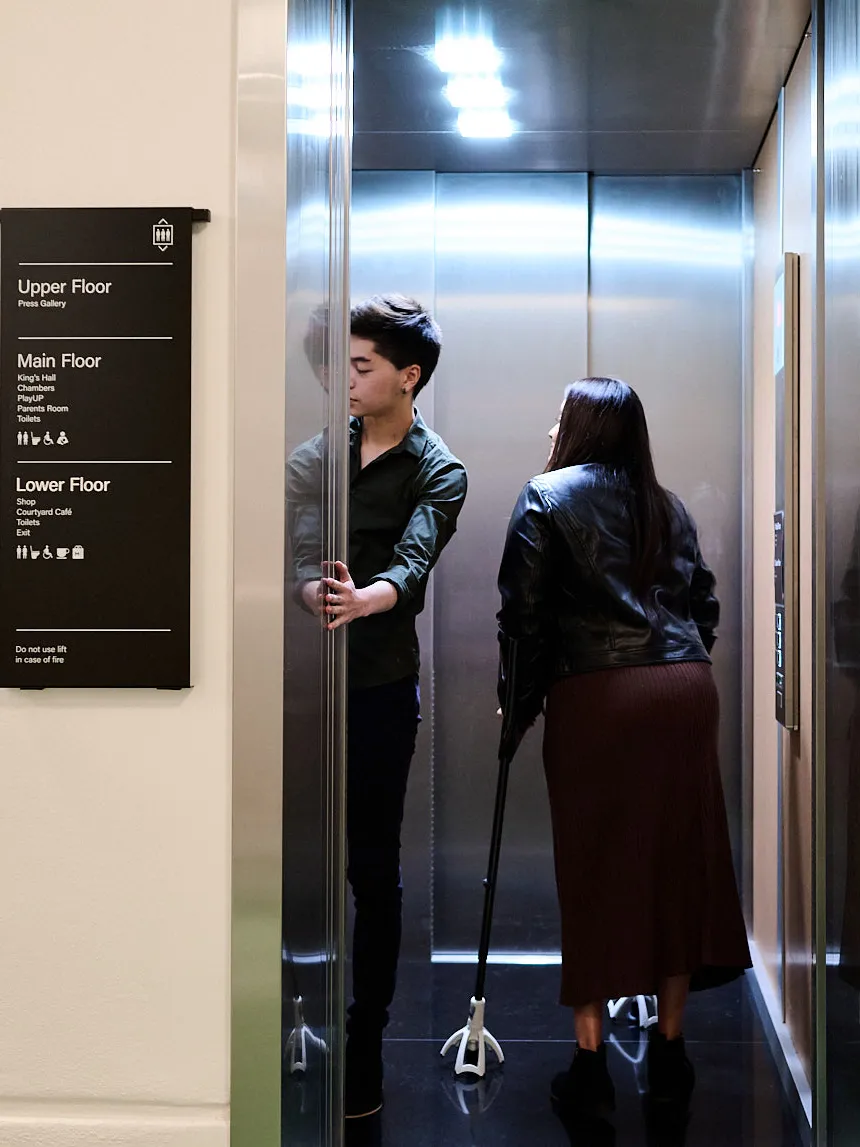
586 1088
363 1075
671 1077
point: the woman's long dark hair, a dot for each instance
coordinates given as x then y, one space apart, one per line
602 422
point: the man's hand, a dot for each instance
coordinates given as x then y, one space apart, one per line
312 597
344 603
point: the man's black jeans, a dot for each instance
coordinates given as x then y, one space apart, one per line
383 722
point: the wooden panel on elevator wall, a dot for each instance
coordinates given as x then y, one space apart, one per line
766 894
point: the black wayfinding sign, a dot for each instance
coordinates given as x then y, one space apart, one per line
95 447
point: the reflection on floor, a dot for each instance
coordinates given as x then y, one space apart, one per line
843 1060
738 1100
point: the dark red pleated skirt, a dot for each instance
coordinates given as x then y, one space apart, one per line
643 862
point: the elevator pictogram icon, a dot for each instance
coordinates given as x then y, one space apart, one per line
162 235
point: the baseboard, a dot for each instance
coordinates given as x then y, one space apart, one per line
26 1125
791 1071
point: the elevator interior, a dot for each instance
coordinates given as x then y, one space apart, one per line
608 225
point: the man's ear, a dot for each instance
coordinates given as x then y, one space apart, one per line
411 376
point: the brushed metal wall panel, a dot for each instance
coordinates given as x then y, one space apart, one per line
512 297
392 250
511 290
316 387
666 291
842 495
797 778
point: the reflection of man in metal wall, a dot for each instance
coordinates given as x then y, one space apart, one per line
303 893
315 344
406 491
846 631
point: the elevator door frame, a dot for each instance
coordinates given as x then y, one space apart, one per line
261 407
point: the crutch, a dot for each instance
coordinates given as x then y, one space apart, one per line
474 1038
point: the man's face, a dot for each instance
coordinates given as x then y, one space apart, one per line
376 385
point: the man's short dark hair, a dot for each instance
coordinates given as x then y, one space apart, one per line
402 331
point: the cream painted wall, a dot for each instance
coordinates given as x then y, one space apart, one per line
115 840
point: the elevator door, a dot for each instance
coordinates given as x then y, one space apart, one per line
537 279
314 718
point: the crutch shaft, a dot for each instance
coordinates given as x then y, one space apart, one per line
492 875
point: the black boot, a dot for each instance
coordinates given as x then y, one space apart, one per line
586 1087
671 1077
363 1095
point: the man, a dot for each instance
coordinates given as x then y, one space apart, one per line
406 491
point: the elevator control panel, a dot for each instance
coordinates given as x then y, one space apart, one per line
785 519
779 612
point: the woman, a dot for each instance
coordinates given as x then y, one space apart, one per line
607 620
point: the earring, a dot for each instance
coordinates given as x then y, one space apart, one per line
404 390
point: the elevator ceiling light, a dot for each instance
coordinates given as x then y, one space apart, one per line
477 92
472 63
485 123
467 55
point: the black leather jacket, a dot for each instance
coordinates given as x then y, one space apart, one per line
567 603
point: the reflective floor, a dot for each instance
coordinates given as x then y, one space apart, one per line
843 1059
738 1101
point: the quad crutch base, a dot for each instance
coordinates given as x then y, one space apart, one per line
473 1040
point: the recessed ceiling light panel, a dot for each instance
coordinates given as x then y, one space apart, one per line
485 123
466 55
476 92
472 63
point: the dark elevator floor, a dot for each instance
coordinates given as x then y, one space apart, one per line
738 1101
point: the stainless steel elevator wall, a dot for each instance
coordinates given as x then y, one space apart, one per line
838 849
524 310
511 297
392 249
665 315
314 712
